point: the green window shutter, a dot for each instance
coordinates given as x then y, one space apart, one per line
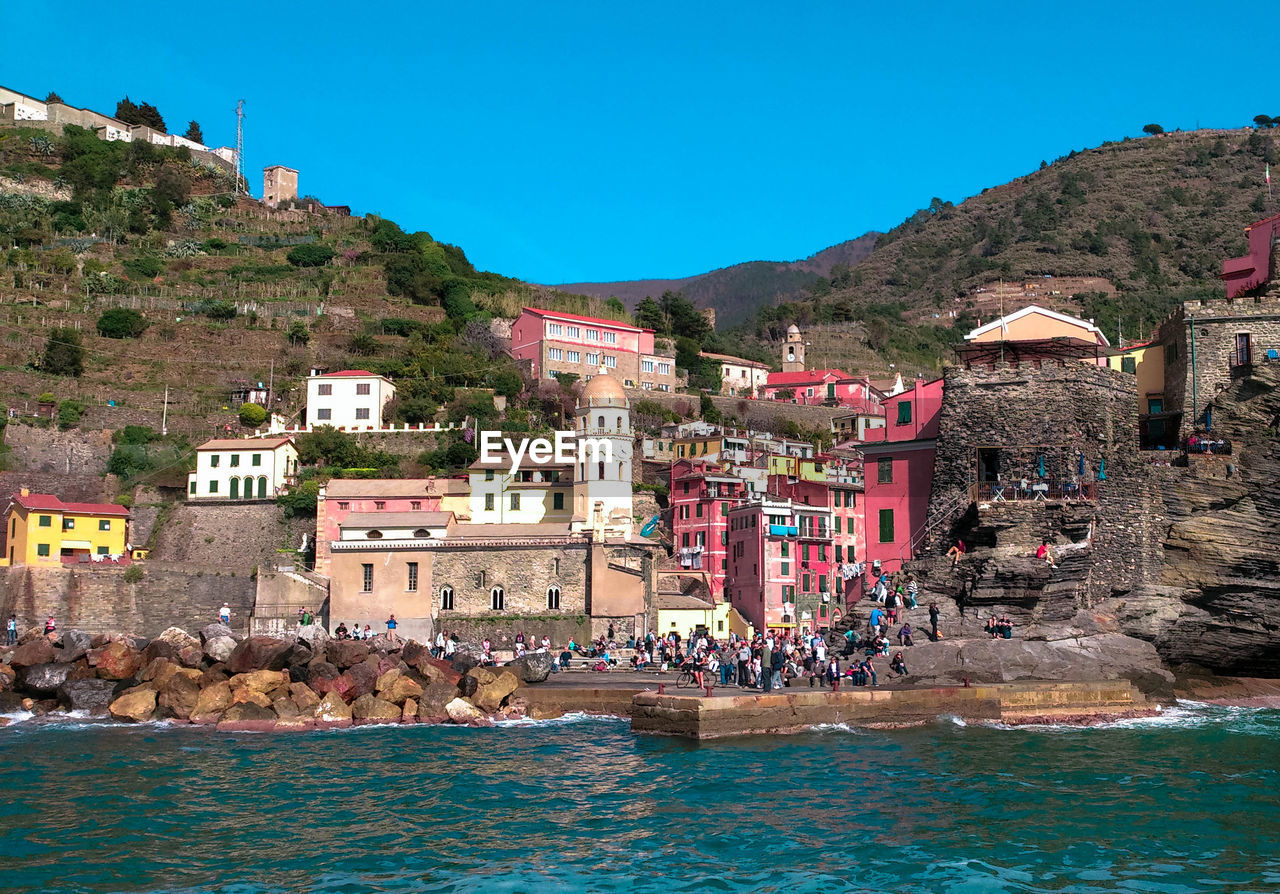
886 526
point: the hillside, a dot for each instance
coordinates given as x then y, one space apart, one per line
1129 229
736 292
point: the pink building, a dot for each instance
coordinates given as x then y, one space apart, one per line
701 496
831 387
780 572
343 496
898 474
552 343
1254 269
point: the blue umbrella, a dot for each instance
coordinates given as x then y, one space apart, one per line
1080 468
1102 469
1041 467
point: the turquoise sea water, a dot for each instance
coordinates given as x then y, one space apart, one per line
1184 803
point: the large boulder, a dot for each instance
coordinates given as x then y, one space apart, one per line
213 631
345 653
461 662
433 701
431 668
261 680
460 711
75 644
116 661
8 678
44 679
371 709
180 694
219 648
411 650
362 680
385 642
211 703
492 686
158 672
532 667
247 716
91 696
333 711
260 653
135 706
304 698
314 636
34 651
399 687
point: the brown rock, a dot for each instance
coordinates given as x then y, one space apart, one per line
135 707
180 693
303 696
333 711
460 711
260 653
371 709
211 702
402 688
34 651
243 695
260 681
7 677
116 661
492 686
247 716
285 708
158 671
363 679
409 714
431 705
345 653
387 679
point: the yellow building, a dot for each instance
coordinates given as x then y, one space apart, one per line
1146 363
40 529
797 467
680 614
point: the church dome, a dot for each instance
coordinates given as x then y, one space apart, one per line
602 391
793 329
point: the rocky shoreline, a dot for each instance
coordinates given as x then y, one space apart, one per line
305 681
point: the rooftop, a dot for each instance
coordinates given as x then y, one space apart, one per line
808 377
349 374
393 487
50 503
397 520
574 318
729 358
244 443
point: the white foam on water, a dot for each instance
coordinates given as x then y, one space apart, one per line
565 719
1183 714
837 728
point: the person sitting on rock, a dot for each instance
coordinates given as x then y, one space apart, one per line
1045 554
904 635
1005 627
50 626
990 627
565 657
955 553
898 665
341 631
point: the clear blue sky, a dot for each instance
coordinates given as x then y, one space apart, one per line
563 142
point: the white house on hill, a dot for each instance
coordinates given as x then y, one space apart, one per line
350 399
243 469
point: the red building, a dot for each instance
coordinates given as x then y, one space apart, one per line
701 496
1254 269
343 496
552 342
898 474
816 387
780 573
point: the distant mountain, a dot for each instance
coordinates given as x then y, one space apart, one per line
739 291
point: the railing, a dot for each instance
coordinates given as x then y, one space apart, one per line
1036 490
1198 444
913 544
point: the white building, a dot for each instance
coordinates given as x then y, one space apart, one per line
24 108
536 493
738 376
349 400
243 469
602 485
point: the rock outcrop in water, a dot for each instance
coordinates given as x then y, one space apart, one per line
255 683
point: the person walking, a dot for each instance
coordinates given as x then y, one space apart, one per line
933 621
11 629
744 661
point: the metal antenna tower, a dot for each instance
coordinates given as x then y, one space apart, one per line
239 145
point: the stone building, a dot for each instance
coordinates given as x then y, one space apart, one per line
793 350
279 184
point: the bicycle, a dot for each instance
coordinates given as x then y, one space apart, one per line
686 679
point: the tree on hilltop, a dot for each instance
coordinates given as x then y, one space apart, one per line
1153 129
145 113
194 134
53 97
1263 122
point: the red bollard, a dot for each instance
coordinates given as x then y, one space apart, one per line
835 685
966 682
662 689
708 688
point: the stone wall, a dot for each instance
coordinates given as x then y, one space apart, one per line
48 450
100 599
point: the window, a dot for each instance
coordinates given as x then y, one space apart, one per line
488 502
555 567
413 577
904 412
362 388
213 487
192 488
839 553
515 501
366 578
421 534
479 579
102 551
321 415
786 568
324 389
362 412
593 360
593 335
698 510
804 552
838 531
1243 354
446 598
42 549
1155 404
884 470
574 332
46 521
379 504
104 524
555 329
374 535
1129 364
344 505
497 599
68 524
664 369
488 474
724 538
215 461
557 501
415 505
555 354
611 338
257 459
610 361
684 539
886 526
553 597
575 356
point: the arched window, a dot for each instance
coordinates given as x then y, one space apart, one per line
374 535
600 422
446 598
619 423
553 597
601 475
421 534
497 599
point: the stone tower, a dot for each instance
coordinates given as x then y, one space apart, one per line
793 351
602 474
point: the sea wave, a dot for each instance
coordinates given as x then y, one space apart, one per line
571 717
1183 714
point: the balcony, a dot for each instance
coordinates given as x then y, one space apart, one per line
1040 490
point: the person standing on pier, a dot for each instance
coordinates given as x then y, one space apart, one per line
766 666
933 621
